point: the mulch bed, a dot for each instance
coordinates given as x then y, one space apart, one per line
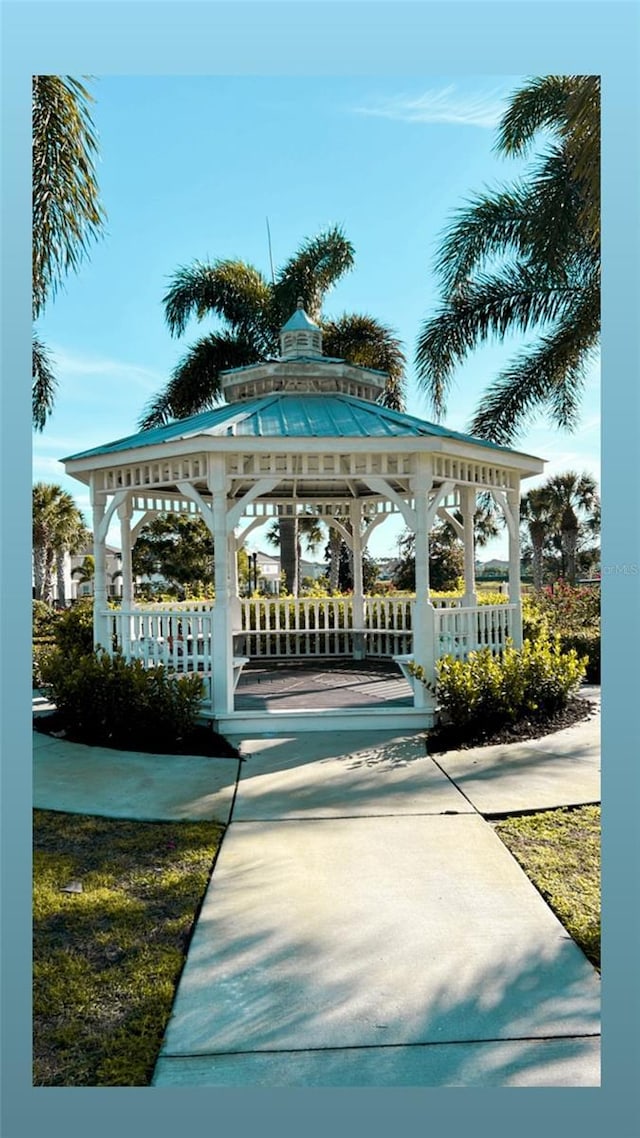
203 740
448 737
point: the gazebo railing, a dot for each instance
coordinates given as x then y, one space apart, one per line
388 622
459 631
180 637
306 626
324 626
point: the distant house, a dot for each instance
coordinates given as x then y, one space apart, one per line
79 588
495 569
75 587
313 569
269 568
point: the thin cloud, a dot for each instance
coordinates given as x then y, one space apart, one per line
445 106
71 365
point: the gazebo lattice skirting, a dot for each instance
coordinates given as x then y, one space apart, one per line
302 435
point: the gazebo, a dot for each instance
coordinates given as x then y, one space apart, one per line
302 434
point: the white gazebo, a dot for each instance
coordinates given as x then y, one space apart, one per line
302 434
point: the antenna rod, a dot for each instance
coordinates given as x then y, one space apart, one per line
273 277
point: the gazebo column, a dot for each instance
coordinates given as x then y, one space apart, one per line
355 513
468 506
222 679
424 652
100 621
124 513
234 586
509 503
515 597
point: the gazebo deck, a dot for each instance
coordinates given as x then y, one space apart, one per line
321 685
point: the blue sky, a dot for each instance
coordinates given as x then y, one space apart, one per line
190 168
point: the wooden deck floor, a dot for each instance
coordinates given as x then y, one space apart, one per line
321 684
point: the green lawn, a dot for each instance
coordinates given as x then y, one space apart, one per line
559 851
107 960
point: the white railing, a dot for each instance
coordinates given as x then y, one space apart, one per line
181 639
462 630
324 626
388 622
308 626
180 636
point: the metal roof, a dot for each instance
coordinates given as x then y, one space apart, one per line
300 322
301 359
287 415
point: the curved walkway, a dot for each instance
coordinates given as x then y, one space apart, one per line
364 925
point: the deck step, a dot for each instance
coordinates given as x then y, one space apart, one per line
324 719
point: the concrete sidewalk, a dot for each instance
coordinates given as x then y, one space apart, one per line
364 925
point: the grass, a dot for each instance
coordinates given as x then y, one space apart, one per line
559 851
107 960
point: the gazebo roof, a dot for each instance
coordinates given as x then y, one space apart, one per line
282 415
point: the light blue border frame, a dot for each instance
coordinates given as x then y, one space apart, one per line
335 38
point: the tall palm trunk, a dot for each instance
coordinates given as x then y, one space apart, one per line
335 545
39 570
569 536
47 580
289 553
60 577
537 535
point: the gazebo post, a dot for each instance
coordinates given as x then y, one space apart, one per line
355 512
515 598
222 642
234 586
124 513
468 504
100 630
423 612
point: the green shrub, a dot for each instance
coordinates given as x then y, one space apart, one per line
585 643
487 692
535 622
570 607
73 630
43 620
105 699
573 614
486 597
40 655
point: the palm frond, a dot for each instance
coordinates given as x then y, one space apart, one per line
568 105
486 226
44 384
551 375
195 381
557 235
232 290
364 341
540 104
314 268
67 213
517 298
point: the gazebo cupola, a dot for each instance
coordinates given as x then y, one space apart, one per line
300 336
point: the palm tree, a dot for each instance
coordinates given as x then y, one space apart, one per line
574 504
526 259
305 526
86 572
57 528
67 214
252 310
535 513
